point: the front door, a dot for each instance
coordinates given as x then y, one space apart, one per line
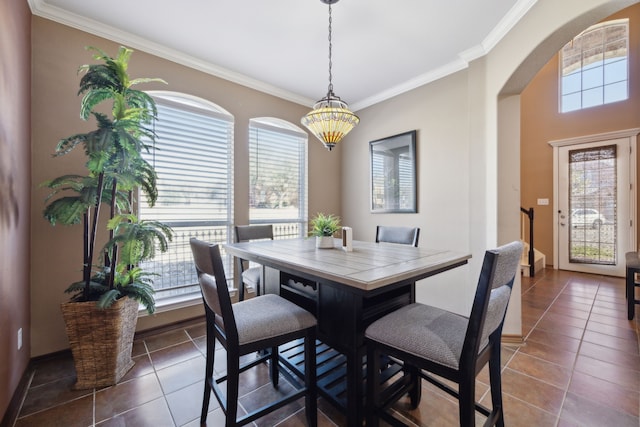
594 206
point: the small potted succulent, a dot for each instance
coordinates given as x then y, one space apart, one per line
323 227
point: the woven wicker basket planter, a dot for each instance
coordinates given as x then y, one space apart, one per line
100 340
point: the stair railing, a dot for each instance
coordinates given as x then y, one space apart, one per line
529 214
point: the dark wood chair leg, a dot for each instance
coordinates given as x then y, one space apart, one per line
205 402
311 398
273 367
233 379
467 401
211 351
373 386
240 283
630 285
495 379
415 392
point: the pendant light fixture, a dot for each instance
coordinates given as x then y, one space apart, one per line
330 120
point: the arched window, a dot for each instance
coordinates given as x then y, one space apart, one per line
278 176
194 162
594 67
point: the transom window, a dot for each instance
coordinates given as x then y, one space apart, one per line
594 67
278 176
194 162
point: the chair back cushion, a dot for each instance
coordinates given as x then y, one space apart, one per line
210 293
505 266
402 235
244 233
210 273
201 256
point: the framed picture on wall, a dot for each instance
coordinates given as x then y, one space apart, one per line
393 174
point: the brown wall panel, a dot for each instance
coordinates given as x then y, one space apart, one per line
15 77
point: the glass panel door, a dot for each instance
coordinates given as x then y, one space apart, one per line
593 201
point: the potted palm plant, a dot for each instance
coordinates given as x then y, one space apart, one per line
323 227
101 316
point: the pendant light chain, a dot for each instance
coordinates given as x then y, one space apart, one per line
330 46
330 120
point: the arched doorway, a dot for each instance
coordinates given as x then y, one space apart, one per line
541 45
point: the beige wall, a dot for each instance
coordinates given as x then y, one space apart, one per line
56 251
469 196
439 113
14 194
541 123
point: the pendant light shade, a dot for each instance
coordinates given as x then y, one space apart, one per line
330 120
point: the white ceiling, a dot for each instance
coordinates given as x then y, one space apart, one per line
380 48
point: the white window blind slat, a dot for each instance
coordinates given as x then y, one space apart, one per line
277 174
193 158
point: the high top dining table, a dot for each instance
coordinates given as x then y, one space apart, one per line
346 291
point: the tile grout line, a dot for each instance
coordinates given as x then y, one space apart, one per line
536 325
155 372
575 361
27 388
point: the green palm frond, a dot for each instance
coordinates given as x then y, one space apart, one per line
142 293
96 289
70 182
138 239
147 182
98 77
137 284
142 100
67 144
145 80
92 98
113 153
66 211
108 298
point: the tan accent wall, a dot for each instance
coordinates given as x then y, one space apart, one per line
542 122
15 57
56 251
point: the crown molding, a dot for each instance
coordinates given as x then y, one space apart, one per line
414 83
44 10
513 16
504 26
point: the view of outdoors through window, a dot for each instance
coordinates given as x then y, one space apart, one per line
194 163
277 177
594 67
592 203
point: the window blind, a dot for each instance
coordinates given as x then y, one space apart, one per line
193 158
277 175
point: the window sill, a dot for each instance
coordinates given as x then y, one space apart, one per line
182 301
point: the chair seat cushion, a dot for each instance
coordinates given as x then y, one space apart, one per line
268 316
424 331
251 277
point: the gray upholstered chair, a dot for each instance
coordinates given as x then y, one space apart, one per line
250 276
249 327
403 235
431 340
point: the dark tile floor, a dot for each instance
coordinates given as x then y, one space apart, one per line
579 366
